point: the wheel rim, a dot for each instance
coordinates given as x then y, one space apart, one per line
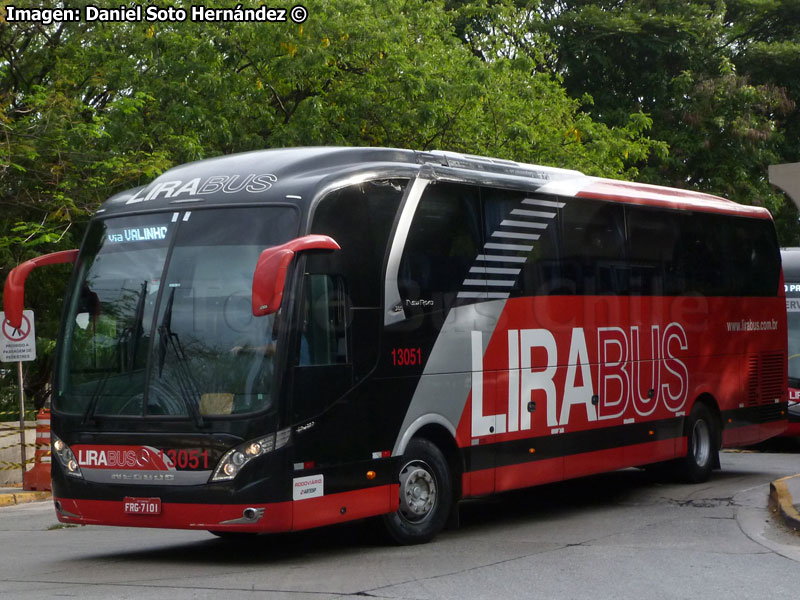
701 442
417 491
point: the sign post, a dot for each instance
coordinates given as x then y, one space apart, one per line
23 458
18 345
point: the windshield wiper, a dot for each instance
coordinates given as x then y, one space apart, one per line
186 382
88 415
165 333
130 336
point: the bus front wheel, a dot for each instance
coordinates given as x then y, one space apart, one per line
425 495
702 444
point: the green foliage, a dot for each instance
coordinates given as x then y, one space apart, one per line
720 82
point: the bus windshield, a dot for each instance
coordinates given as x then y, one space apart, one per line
160 322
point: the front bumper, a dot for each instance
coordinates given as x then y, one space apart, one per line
255 518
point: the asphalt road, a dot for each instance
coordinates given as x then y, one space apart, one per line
619 535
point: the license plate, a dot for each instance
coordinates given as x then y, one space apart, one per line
142 506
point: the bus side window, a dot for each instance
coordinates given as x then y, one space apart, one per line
652 238
541 272
323 328
323 369
359 217
753 257
593 244
444 240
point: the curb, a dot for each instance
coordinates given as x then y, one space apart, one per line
779 492
22 498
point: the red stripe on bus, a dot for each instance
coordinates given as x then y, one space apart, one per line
346 506
750 434
278 517
793 429
557 469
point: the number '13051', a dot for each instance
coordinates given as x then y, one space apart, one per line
406 357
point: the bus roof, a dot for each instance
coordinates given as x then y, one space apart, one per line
255 177
651 195
299 175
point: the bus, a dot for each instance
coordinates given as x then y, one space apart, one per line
291 338
790 257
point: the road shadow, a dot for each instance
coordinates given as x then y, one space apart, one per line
540 503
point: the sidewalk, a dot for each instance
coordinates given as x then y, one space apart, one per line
11 495
785 493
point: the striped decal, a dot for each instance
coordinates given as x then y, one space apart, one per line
495 271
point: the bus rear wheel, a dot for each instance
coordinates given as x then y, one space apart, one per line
426 495
702 435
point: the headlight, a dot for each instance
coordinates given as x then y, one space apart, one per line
236 458
65 457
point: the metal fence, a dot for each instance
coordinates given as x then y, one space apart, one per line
11 461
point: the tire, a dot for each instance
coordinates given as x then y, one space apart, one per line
426 495
702 437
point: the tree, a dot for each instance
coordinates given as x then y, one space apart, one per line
690 66
764 38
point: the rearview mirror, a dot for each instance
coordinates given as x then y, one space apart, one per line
14 288
269 279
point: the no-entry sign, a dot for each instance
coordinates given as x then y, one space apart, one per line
17 343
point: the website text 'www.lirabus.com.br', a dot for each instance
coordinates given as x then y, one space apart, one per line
746 325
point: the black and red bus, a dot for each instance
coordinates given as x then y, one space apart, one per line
286 339
790 257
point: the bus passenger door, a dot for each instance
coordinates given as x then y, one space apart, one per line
337 405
